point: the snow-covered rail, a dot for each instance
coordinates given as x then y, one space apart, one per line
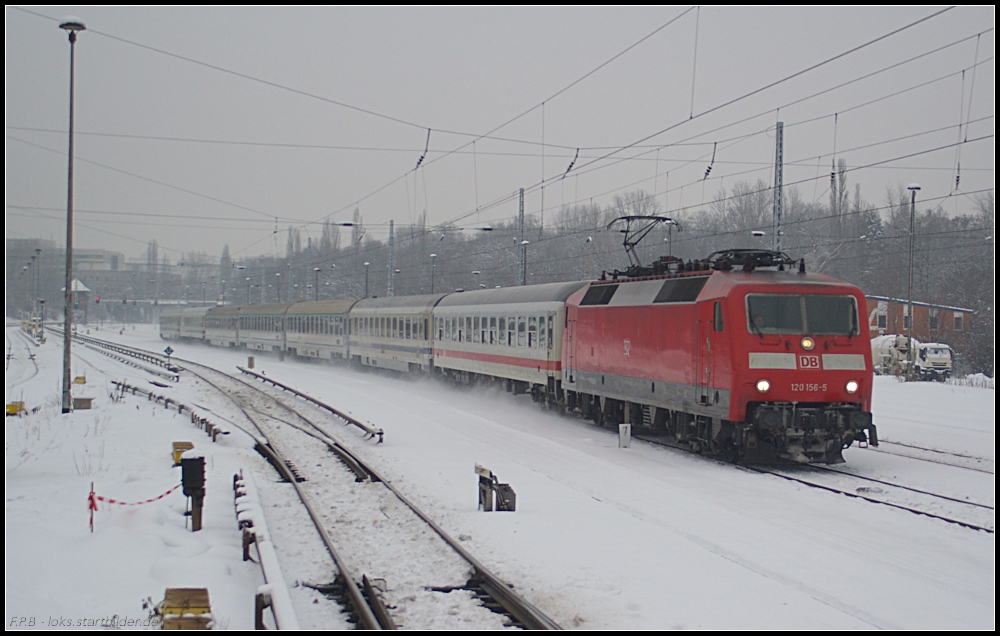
369 430
482 584
882 497
936 456
968 514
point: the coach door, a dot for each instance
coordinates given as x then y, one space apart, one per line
704 358
570 370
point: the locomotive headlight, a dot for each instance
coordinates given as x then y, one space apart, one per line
808 343
851 386
763 386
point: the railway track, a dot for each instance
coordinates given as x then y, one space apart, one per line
27 343
969 514
936 456
371 531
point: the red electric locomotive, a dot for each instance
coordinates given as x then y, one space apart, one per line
736 357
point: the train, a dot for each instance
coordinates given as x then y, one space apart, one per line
743 356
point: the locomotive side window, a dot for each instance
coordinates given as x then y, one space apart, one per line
718 316
680 290
599 295
800 314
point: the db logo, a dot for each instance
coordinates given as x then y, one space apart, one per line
808 362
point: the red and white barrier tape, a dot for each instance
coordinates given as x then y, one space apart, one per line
93 498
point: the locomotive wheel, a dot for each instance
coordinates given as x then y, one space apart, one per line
728 452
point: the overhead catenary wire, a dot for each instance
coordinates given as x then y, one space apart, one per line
593 163
478 206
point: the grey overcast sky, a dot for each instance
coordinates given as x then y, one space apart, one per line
208 126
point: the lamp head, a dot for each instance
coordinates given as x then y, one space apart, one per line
72 23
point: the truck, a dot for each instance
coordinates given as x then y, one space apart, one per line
931 360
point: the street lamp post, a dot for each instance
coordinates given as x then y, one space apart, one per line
366 278
524 262
38 274
71 25
913 187
316 272
241 269
433 262
31 284
26 302
277 276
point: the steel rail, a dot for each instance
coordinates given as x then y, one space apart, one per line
372 432
362 608
901 487
832 489
855 495
516 606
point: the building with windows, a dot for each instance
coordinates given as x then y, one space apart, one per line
931 323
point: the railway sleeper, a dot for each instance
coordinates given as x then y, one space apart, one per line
288 466
336 591
487 600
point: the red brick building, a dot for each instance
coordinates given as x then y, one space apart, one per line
931 323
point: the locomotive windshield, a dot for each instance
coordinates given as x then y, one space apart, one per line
818 314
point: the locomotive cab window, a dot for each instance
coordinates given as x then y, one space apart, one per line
821 314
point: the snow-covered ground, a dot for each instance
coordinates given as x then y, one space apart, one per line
603 537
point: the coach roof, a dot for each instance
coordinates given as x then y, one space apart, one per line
548 292
391 302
